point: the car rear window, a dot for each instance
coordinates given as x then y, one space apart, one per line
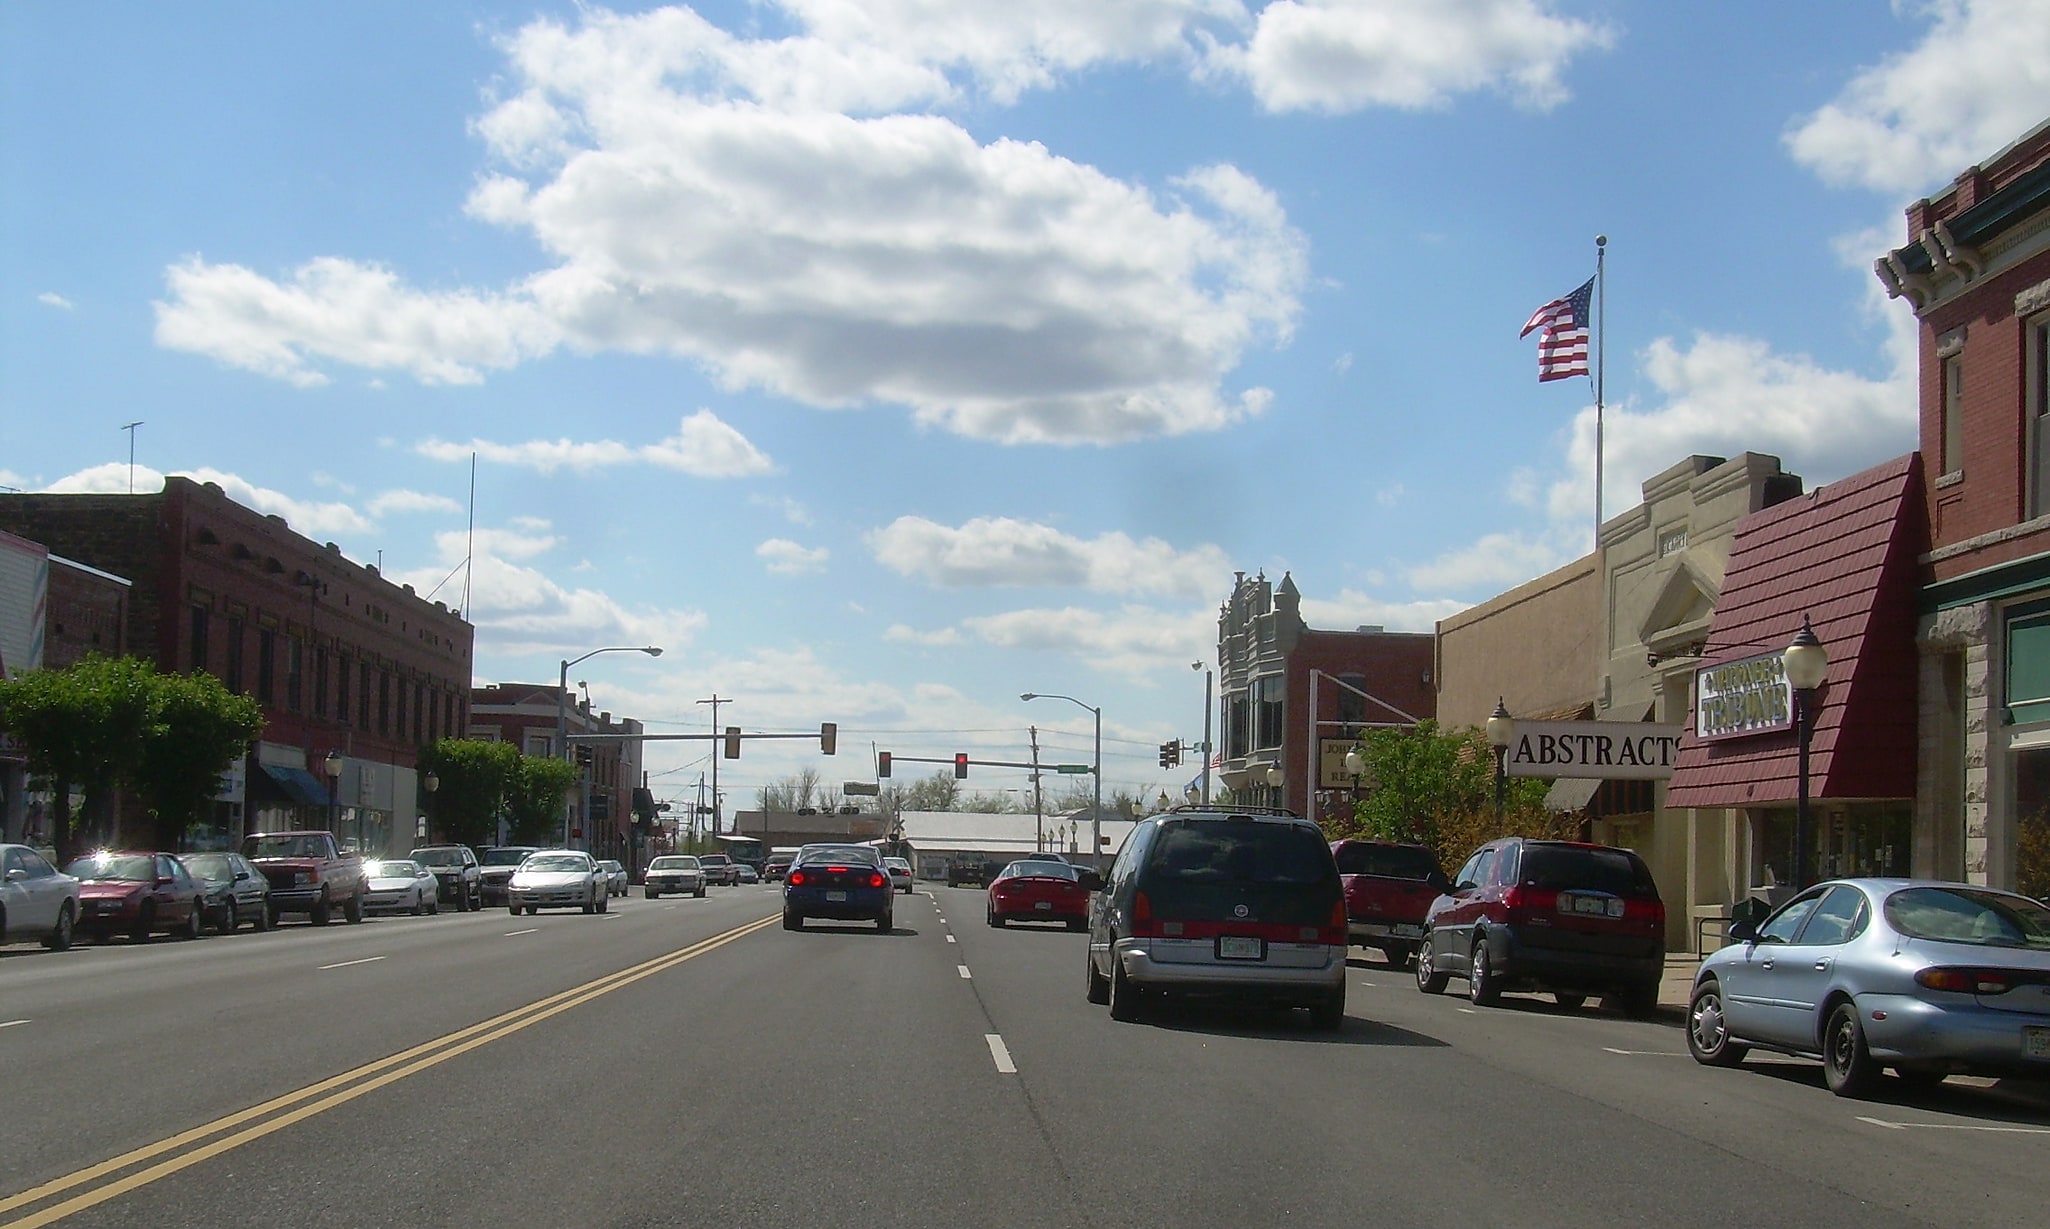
1966 915
1385 861
1043 870
1581 869
1214 870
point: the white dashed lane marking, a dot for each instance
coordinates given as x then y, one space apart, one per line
1645 1053
1953 1126
1000 1053
528 931
964 970
11 1023
950 938
346 963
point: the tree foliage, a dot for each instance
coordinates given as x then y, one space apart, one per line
1432 787
473 777
534 798
196 729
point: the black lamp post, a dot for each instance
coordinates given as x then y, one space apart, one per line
333 765
1501 733
1806 662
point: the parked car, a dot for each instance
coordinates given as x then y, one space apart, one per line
719 869
673 872
1571 918
137 893
37 901
557 878
459 878
1032 890
615 877
776 867
401 885
1926 977
309 872
236 891
841 882
495 867
900 874
1208 902
1389 888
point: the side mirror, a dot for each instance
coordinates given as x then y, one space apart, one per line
1744 932
241 875
1440 881
1463 886
16 875
1091 881
165 881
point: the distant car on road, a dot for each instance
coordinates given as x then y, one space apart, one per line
1389 888
900 874
555 879
37 901
719 869
776 867
1032 890
841 882
970 869
615 877
495 867
137 893
236 891
401 885
746 873
459 878
1927 977
673 872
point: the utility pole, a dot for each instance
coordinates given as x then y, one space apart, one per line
1038 802
715 702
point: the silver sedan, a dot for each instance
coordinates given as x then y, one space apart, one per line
1925 977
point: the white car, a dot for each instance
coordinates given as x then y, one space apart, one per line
615 877
673 872
401 884
900 874
558 879
37 901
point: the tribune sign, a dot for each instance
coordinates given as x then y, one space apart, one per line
1608 750
1743 697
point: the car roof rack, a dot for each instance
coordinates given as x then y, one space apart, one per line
1181 808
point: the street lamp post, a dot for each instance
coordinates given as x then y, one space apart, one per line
562 710
1501 733
1356 765
1806 662
332 765
1096 808
430 783
1207 679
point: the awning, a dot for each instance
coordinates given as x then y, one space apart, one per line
298 784
1571 793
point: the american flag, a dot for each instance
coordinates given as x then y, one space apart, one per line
1562 341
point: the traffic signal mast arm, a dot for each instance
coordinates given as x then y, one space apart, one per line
733 736
1043 767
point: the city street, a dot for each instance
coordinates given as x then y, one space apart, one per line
685 1061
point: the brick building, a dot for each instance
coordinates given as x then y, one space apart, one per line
354 673
1976 270
1292 700
600 810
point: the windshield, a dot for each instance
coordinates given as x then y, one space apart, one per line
209 865
438 857
677 863
285 845
555 862
840 854
714 859
1570 868
503 857
1385 861
396 869
133 868
1975 916
1042 870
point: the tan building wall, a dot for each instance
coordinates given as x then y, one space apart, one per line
1538 648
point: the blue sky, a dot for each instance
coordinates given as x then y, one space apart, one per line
884 360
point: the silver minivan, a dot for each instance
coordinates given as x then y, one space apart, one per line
1243 903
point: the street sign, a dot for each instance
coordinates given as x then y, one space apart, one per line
1070 769
861 789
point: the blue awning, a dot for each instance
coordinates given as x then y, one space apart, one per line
299 785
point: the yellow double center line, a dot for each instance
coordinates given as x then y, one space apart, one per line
318 1098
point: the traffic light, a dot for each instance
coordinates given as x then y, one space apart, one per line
583 757
960 765
882 763
732 742
1167 755
829 737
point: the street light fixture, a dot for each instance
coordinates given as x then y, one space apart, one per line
562 710
1501 733
332 765
1806 663
1096 807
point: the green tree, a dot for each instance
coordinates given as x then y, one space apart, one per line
195 730
1432 787
474 776
81 726
533 798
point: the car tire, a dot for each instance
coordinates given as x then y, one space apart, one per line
1097 987
1428 979
1708 1030
885 924
1329 1016
419 906
995 920
1571 1002
60 936
353 910
793 921
1482 987
145 921
270 916
1639 1002
650 894
605 903
231 918
701 893
193 919
515 910
590 905
1847 1066
1125 998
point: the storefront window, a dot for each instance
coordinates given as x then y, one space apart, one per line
2028 664
1267 694
2032 823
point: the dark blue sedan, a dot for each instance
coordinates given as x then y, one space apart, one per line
847 883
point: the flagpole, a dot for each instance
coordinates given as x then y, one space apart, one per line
1601 314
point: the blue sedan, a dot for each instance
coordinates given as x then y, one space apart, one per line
1925 977
843 882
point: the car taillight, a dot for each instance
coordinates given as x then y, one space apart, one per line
1966 981
876 881
1143 925
796 879
1334 932
1523 902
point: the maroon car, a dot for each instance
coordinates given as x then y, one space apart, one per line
1030 890
137 894
1389 888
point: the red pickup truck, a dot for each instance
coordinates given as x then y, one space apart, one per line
1388 889
308 874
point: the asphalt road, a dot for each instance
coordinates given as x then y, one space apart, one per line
688 1062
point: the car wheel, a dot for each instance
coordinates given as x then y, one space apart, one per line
1571 1002
434 905
419 906
60 935
1639 1002
145 921
1125 1002
1847 1066
353 910
1428 979
1329 1015
701 893
886 923
605 903
1482 990
792 921
1097 988
270 916
515 910
195 919
995 921
1708 1030
231 919
650 893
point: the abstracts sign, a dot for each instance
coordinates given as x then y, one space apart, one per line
1608 750
1743 697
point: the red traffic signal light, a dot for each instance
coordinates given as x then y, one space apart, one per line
732 742
882 763
960 765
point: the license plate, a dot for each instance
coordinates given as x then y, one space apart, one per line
1409 932
1592 906
2035 1042
1240 947
836 896
1042 904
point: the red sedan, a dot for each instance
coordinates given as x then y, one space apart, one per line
1032 890
137 894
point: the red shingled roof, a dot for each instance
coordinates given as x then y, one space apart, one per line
1844 555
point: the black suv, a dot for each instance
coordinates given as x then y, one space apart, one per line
1562 916
1239 903
457 877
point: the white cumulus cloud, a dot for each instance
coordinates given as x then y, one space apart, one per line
1000 551
787 558
704 446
